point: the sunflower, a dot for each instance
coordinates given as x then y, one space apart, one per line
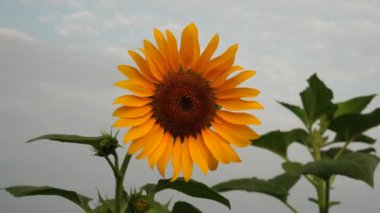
180 102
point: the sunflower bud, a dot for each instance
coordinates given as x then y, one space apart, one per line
139 203
106 145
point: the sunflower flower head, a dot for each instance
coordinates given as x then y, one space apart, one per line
184 107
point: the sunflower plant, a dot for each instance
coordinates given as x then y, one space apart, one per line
329 130
180 109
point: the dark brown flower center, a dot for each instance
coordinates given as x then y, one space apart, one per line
183 104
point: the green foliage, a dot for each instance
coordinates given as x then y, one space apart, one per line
191 188
319 114
22 191
279 141
360 166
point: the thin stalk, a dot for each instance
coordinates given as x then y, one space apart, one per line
120 180
341 150
321 196
119 184
327 196
111 165
291 207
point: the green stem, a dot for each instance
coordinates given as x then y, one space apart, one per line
341 150
111 165
119 180
321 196
327 195
125 164
291 207
119 184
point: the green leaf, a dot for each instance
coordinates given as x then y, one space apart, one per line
22 191
192 188
316 100
298 111
354 105
360 166
351 126
103 145
69 139
361 138
184 207
156 207
277 187
279 141
149 188
330 153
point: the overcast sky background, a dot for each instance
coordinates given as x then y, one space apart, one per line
58 63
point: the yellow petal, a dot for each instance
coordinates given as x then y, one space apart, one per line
238 117
211 161
236 80
177 159
187 163
173 51
163 162
136 87
132 112
133 74
139 143
197 155
142 64
155 56
238 93
160 150
127 122
189 50
238 104
213 145
219 80
153 144
152 67
132 100
206 55
239 135
221 64
229 152
162 45
139 131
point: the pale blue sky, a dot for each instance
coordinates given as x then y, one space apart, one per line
58 62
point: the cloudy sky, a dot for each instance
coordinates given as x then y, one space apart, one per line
58 62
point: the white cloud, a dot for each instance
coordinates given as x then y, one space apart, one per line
14 34
81 22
